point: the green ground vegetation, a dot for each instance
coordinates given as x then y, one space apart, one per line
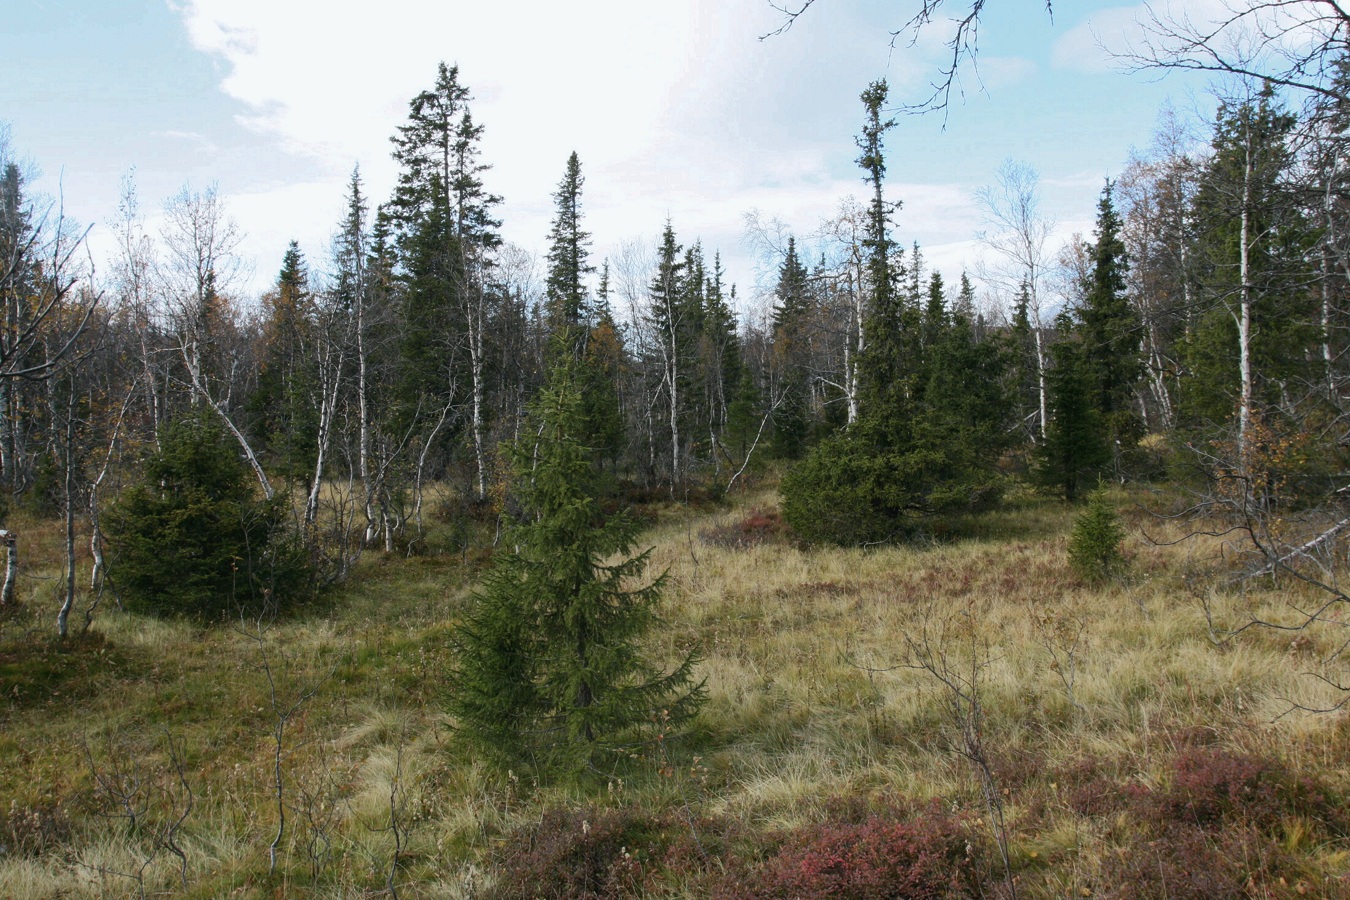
1131 754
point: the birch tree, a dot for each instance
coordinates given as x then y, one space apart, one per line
1018 233
200 267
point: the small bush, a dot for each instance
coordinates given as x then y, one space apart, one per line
193 539
851 490
586 853
1094 545
30 831
761 526
929 856
1212 787
1192 864
1212 830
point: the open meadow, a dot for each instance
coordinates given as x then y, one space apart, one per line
961 718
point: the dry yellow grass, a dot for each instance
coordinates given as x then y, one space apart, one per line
806 655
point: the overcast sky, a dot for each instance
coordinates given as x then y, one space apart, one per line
677 110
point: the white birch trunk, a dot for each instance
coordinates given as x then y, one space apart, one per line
1244 317
199 390
11 542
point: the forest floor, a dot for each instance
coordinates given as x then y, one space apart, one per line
964 717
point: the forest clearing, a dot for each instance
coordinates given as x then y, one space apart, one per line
461 559
1132 751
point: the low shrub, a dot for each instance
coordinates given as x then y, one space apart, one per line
194 539
31 830
1212 787
590 853
931 855
1209 788
1094 545
761 526
1193 864
1212 830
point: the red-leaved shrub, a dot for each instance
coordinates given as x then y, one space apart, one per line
1190 863
928 857
759 527
1211 786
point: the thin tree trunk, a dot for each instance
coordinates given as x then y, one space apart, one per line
6 452
1244 318
10 540
199 389
327 410
95 526
1040 382
363 413
68 504
422 462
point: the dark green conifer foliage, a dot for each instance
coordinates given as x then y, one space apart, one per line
743 414
933 324
437 151
1111 328
568 254
193 539
602 371
888 367
933 411
791 418
676 317
966 410
877 243
445 232
383 338
549 658
1095 543
721 353
1249 167
433 275
285 402
1075 450
1023 372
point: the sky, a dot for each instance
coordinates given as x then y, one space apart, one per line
678 111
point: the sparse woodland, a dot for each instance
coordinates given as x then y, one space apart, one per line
439 572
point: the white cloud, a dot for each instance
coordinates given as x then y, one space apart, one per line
674 109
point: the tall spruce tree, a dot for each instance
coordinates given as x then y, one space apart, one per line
721 356
447 235
673 325
1111 328
1252 272
603 370
877 242
918 448
284 403
549 663
1074 450
1024 373
791 355
568 255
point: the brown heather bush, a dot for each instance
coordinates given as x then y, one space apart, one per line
1212 787
579 854
760 526
29 831
930 856
1212 830
1194 864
